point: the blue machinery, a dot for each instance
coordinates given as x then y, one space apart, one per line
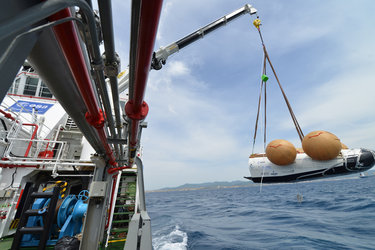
69 219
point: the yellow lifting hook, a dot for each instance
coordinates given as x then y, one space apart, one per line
257 23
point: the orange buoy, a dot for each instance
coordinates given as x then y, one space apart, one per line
321 145
281 152
343 146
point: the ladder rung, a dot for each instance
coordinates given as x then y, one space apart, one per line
31 230
42 195
124 198
116 240
120 221
35 212
119 213
119 230
125 205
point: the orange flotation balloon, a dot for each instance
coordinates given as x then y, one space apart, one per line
281 152
321 145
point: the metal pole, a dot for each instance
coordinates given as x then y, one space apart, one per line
96 215
136 109
111 65
141 187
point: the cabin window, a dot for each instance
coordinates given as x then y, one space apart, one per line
44 91
14 88
30 86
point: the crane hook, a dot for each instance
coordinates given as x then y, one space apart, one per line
257 23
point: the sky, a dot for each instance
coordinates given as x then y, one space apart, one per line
203 102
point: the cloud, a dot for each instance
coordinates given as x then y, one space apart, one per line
178 68
203 102
338 92
346 98
188 131
166 11
183 114
326 65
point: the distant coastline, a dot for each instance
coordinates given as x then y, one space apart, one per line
207 185
238 184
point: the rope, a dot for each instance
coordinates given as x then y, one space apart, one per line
263 83
258 112
296 124
264 79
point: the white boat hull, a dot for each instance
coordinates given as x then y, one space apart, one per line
348 162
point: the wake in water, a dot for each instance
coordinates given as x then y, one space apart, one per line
336 214
176 240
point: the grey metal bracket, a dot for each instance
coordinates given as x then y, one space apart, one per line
139 235
117 141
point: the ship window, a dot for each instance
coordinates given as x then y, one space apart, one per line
30 86
14 88
44 91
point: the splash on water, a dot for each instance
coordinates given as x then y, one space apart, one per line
175 239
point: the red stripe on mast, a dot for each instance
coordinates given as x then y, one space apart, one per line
69 42
136 109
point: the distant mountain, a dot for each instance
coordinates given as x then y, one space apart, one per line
207 185
229 184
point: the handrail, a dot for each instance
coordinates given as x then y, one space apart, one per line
15 25
32 137
9 116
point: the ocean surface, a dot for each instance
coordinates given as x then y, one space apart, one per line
334 214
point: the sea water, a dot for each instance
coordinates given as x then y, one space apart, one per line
329 214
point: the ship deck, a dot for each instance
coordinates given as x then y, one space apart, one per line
6 244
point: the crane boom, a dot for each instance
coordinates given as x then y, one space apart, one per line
160 56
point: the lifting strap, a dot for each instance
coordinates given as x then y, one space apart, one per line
266 56
263 83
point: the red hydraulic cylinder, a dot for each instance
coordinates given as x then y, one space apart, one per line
149 20
68 40
69 43
136 109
